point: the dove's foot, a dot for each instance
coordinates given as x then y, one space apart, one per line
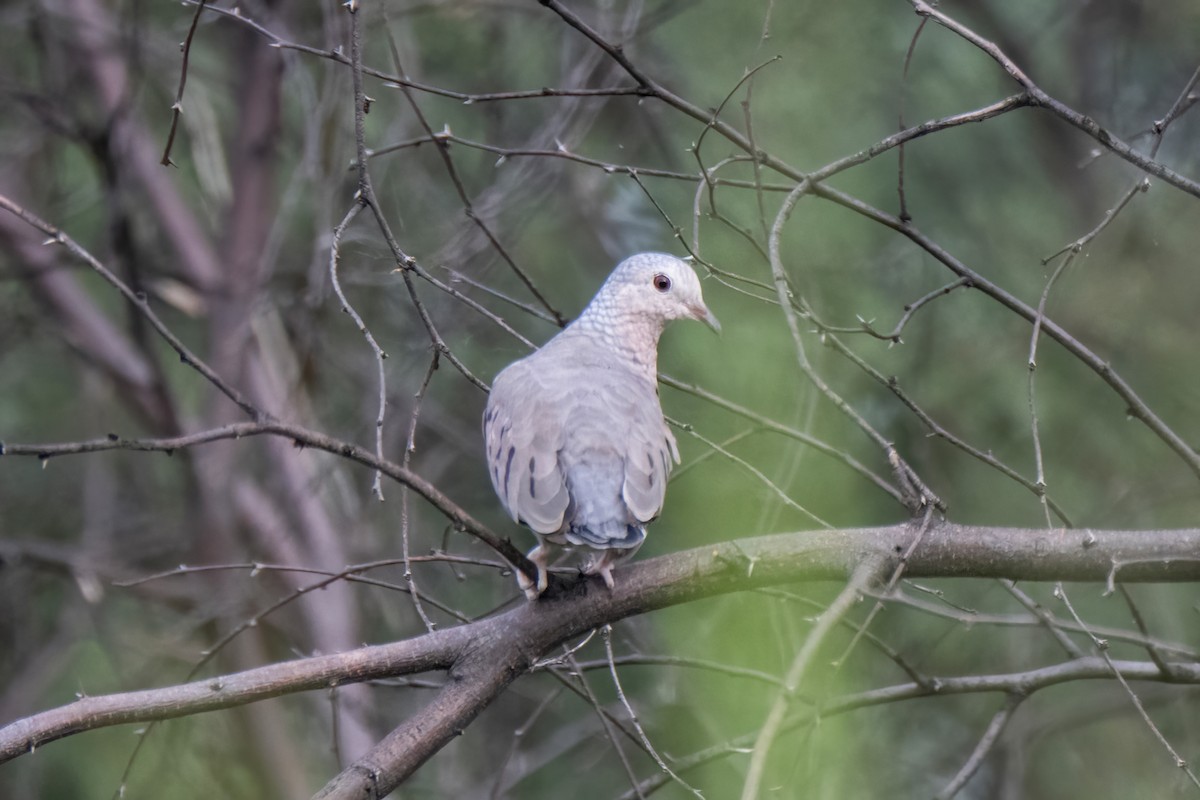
606 574
538 555
603 565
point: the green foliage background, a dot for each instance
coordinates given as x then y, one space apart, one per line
1001 196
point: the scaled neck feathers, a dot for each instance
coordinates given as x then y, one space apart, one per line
630 335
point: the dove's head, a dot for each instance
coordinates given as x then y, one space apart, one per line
659 286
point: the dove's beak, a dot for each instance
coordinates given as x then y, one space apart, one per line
701 313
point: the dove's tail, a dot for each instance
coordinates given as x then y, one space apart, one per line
611 536
615 544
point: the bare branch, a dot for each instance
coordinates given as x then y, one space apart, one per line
177 106
982 748
870 570
1137 407
485 656
302 438
1041 99
138 301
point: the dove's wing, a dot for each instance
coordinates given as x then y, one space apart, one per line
650 452
524 428
575 437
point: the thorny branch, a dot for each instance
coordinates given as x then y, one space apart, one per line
302 437
482 671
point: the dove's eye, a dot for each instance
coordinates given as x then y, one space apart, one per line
662 282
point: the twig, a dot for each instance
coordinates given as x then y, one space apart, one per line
1102 649
892 384
863 575
904 88
1041 99
1136 405
139 301
518 736
376 350
366 195
766 423
452 172
984 746
1151 648
303 438
867 326
410 446
606 632
641 659
890 586
1044 618
606 725
753 470
924 495
974 618
860 630
177 106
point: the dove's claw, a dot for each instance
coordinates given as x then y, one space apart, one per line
539 556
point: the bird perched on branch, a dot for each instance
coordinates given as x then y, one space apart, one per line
576 442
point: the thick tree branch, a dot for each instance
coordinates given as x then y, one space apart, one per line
485 656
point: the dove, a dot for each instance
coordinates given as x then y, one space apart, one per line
577 446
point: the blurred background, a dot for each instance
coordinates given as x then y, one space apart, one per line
232 247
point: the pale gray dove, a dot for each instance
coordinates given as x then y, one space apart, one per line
576 442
